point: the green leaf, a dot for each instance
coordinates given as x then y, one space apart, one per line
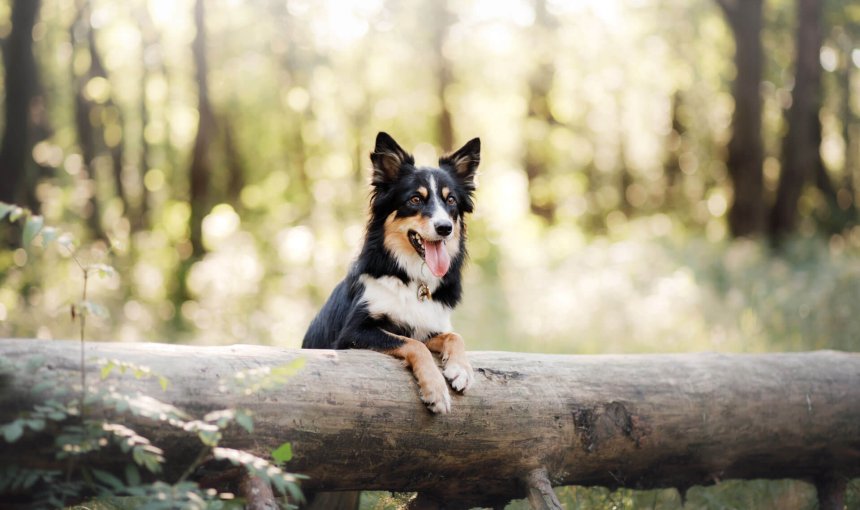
209 437
49 234
243 418
107 369
91 308
36 424
283 453
67 241
5 209
132 475
163 382
103 270
13 431
31 227
16 213
108 479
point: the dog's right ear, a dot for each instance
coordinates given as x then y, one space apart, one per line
388 159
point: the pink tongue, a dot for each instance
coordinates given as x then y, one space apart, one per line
436 257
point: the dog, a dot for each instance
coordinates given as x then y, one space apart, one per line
399 294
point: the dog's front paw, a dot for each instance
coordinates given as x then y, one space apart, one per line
459 372
434 393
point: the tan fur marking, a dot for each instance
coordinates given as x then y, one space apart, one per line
396 230
433 390
423 191
445 192
453 351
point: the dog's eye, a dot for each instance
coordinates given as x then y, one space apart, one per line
415 200
451 200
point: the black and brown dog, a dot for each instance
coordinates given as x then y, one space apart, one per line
399 293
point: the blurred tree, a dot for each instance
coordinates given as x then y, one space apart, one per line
745 157
540 117
442 19
235 165
801 160
150 58
22 103
846 29
671 163
98 118
201 163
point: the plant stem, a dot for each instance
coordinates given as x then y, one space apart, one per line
199 460
83 328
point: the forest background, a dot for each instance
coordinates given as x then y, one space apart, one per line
657 175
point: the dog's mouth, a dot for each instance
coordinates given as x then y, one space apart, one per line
433 252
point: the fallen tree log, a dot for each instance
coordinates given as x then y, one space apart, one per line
530 421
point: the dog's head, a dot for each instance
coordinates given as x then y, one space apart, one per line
423 207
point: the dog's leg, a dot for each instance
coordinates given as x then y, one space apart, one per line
433 390
458 370
364 332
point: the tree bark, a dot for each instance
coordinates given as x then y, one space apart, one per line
201 165
540 85
800 147
442 20
356 423
21 83
745 151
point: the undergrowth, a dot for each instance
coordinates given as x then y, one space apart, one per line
85 422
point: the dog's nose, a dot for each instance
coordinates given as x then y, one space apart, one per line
443 228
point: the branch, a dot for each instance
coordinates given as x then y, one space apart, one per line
355 421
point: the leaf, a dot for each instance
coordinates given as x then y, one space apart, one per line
209 437
103 270
163 382
37 424
132 475
243 418
107 369
67 241
49 234
283 453
91 308
13 431
31 227
108 479
16 213
5 209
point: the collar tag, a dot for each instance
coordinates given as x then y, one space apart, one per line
423 292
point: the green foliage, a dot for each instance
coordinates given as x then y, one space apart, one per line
77 435
79 439
261 379
123 367
281 481
283 453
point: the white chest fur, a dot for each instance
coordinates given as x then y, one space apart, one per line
389 296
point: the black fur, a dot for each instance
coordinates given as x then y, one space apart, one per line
344 321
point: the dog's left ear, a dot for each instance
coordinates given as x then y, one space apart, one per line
463 163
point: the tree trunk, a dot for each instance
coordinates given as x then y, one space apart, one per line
355 421
201 164
21 83
847 195
800 147
442 22
745 152
541 202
